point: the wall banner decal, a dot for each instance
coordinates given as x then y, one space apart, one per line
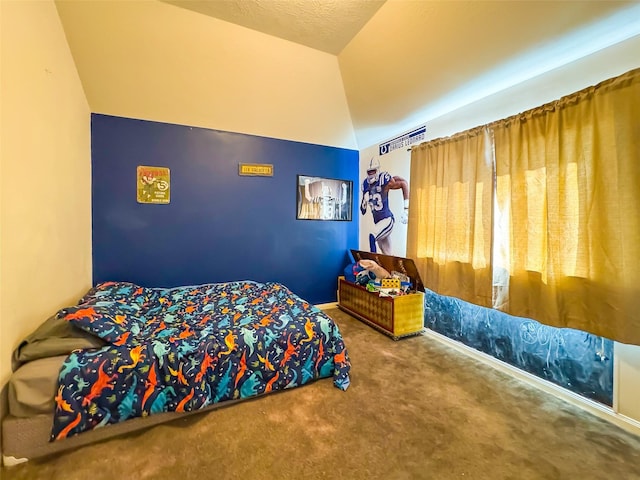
414 136
256 169
153 184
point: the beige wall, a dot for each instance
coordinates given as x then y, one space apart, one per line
45 255
155 61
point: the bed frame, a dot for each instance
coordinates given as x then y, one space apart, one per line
24 439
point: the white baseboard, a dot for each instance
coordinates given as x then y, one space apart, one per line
591 406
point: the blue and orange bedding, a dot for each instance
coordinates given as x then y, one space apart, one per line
184 348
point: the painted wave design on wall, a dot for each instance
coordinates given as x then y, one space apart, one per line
576 360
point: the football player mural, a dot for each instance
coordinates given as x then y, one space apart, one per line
375 198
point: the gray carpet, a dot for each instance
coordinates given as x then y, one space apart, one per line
415 409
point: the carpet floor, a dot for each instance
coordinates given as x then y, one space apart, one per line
416 409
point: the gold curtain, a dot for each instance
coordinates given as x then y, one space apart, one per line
567 219
449 234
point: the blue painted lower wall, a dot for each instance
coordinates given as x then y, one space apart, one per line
219 226
579 361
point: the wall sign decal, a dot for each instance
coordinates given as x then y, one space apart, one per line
414 136
256 169
324 198
153 184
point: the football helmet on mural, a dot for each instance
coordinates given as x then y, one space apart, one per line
372 170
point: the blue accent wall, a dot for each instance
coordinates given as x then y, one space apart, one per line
219 226
576 360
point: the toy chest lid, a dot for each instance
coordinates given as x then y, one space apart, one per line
393 264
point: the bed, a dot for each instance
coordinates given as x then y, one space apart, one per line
127 357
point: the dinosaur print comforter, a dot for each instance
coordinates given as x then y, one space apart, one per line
181 349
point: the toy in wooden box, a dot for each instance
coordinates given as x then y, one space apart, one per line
390 283
396 316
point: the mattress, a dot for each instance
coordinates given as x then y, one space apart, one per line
36 363
32 387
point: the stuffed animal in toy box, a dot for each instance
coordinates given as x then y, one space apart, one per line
364 271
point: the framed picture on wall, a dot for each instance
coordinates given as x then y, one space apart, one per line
154 184
322 198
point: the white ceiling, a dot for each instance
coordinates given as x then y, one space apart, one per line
326 25
417 60
403 60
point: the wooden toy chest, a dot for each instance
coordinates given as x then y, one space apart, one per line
398 316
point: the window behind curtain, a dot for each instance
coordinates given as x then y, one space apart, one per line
568 211
556 236
450 232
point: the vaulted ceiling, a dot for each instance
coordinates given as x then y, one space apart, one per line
327 25
402 62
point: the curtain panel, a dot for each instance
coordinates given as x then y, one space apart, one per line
567 219
449 234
